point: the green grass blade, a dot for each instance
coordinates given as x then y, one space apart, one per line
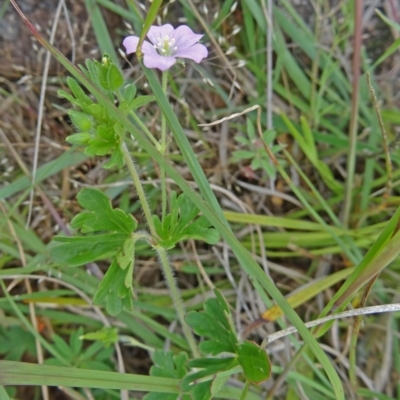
386 245
67 159
150 18
3 394
100 30
18 373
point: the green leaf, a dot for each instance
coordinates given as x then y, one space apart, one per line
133 104
208 367
75 342
167 365
82 121
110 76
97 111
62 347
243 154
75 251
100 215
181 224
113 292
254 361
94 356
108 336
215 323
15 342
115 78
129 91
116 159
67 96
81 97
104 141
126 255
79 139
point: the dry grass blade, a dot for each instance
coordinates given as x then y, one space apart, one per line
345 314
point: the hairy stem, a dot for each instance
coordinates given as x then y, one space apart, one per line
176 297
139 188
164 150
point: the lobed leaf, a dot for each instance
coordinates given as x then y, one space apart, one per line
100 215
75 251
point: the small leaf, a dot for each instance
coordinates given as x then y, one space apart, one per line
67 96
181 224
127 253
129 92
114 78
82 121
100 215
215 323
254 361
75 251
243 154
108 336
78 92
97 111
79 139
167 365
116 159
15 342
75 342
133 104
113 292
103 142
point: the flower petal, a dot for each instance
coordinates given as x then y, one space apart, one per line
155 60
158 32
130 43
196 52
184 37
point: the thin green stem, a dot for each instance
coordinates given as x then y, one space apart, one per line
164 149
144 128
139 188
176 297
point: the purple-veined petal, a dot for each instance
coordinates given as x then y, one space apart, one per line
155 60
196 52
130 43
184 37
158 32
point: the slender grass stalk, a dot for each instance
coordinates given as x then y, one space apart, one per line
139 188
385 145
164 149
351 155
173 289
355 335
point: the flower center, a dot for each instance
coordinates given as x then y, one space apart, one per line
165 46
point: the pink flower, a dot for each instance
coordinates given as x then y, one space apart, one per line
167 44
